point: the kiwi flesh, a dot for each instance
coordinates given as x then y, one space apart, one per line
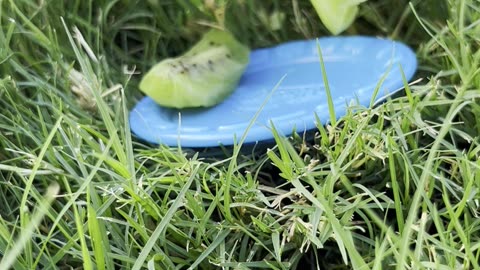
203 76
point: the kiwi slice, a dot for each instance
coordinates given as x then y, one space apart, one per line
202 77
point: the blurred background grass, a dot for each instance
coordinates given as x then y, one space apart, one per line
137 33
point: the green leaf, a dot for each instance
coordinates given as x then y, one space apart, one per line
336 15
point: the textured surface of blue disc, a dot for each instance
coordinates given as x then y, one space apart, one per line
355 66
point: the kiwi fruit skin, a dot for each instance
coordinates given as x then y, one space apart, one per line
203 76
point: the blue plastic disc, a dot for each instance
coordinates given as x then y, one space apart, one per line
355 66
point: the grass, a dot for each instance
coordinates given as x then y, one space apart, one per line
394 186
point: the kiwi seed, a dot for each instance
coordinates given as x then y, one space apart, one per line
210 65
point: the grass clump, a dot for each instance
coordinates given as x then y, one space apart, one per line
393 186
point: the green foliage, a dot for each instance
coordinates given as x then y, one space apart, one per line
391 186
336 15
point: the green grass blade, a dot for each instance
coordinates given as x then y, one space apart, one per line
11 255
331 107
142 257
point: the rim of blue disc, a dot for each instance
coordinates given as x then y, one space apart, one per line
284 85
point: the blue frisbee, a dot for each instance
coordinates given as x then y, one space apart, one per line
285 85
